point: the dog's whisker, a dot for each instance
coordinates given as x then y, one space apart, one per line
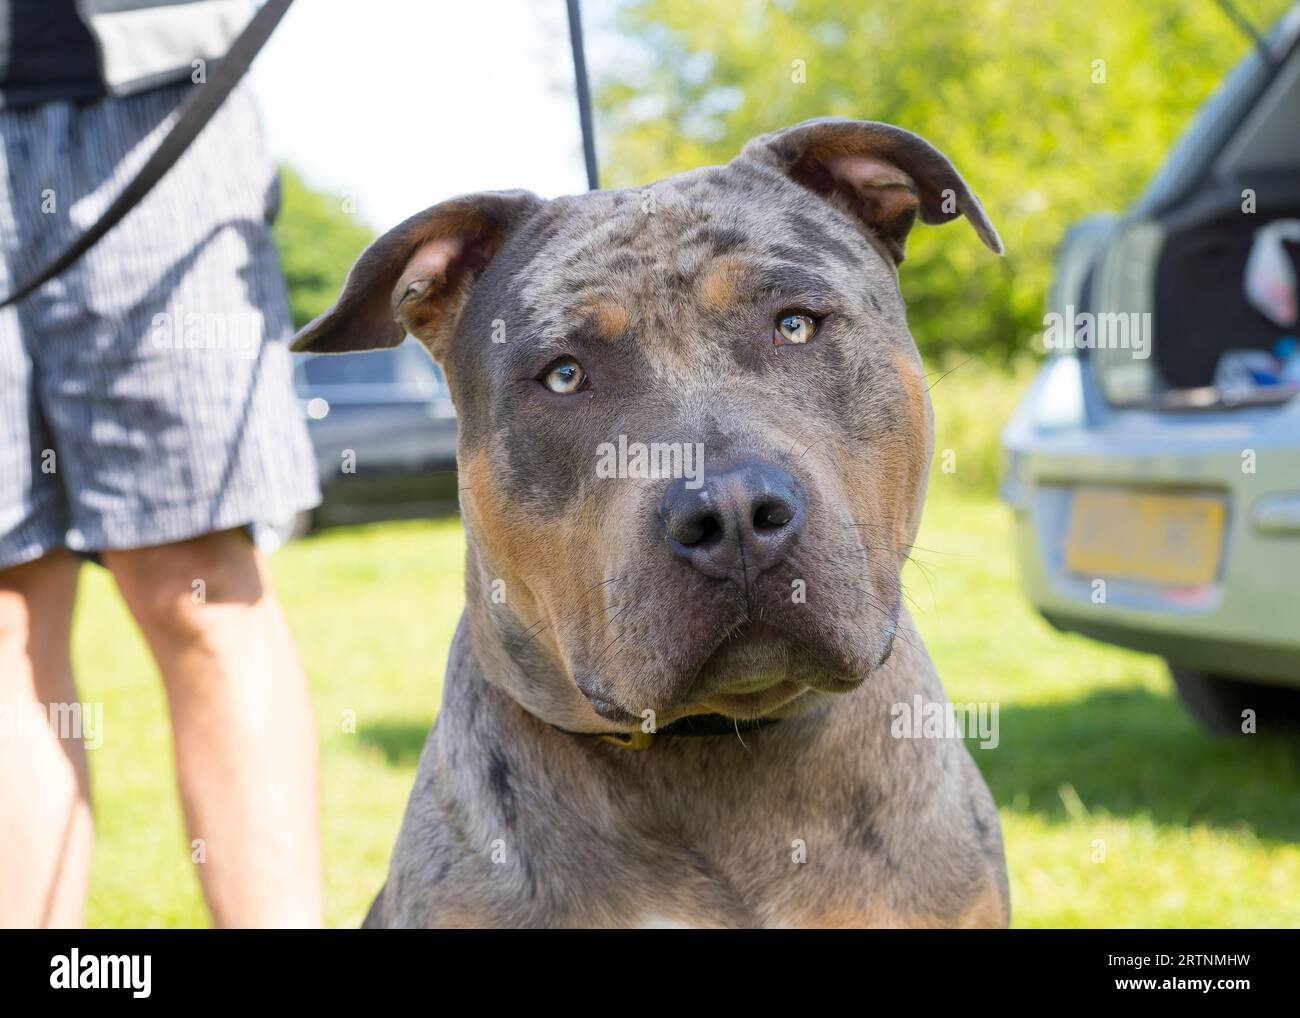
931 551
812 446
740 738
929 387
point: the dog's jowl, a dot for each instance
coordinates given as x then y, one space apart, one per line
694 442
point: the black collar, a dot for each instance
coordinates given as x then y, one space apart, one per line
695 724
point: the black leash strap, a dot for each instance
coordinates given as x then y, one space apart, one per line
584 95
195 112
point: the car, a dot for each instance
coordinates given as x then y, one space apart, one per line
384 431
1153 467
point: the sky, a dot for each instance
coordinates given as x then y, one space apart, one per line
400 104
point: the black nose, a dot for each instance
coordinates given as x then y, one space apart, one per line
740 519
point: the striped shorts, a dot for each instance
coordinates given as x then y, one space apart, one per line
146 394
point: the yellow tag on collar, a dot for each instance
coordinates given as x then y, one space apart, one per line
629 740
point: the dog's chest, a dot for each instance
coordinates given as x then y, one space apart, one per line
762 876
865 903
800 863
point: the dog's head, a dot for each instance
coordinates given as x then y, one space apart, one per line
694 429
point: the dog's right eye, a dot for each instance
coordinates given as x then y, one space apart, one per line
794 328
565 377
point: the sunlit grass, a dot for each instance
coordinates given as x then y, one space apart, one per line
1116 809
373 610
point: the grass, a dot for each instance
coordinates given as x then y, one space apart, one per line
1097 759
373 610
1095 752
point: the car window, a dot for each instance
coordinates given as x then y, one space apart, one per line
407 365
417 369
378 368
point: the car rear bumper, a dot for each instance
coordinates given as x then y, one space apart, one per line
1243 621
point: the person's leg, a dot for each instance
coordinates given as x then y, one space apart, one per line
244 728
45 816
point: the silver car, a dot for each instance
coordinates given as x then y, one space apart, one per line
1154 465
384 430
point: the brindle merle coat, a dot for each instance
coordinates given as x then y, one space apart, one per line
753 308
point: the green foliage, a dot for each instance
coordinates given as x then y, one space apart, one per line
318 243
1004 87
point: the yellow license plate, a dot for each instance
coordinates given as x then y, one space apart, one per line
1166 539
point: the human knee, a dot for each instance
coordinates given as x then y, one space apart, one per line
173 588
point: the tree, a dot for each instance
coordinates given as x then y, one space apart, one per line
1050 111
318 242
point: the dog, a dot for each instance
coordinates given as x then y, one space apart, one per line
668 701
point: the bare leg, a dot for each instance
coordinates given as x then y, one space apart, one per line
48 839
244 728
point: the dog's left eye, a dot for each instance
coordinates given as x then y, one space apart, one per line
565 377
794 328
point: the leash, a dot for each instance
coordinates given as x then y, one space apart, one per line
195 113
584 95
692 725
203 102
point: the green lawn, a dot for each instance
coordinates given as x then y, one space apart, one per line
1094 747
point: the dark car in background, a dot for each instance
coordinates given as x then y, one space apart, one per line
1156 482
384 432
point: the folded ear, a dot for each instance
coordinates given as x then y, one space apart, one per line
417 276
885 174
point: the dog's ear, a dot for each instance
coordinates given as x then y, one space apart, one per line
885 174
417 276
